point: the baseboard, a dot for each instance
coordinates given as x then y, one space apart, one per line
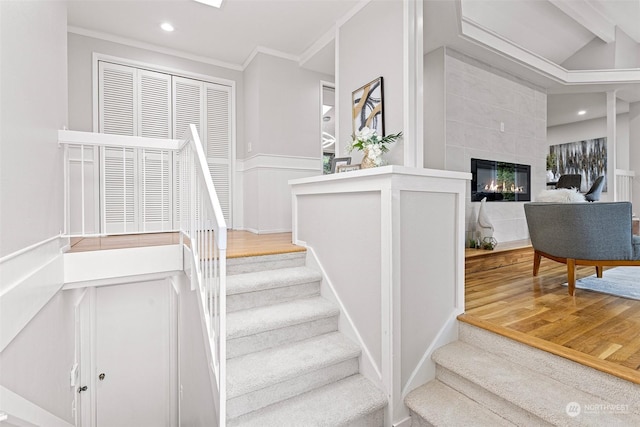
24 413
30 278
269 231
368 366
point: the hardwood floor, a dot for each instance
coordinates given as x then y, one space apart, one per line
239 243
598 330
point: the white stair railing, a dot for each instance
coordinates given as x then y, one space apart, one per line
196 213
624 185
204 230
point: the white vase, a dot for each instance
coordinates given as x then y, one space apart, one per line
550 176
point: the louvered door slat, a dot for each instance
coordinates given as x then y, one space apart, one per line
120 193
155 104
117 99
218 142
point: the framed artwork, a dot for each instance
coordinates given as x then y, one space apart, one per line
339 161
367 107
587 158
347 168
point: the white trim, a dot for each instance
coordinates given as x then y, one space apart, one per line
317 46
413 84
271 231
152 47
121 280
96 57
25 250
118 263
274 161
478 34
22 412
587 16
103 140
352 12
426 368
406 422
268 51
368 366
30 278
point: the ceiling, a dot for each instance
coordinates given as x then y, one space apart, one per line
541 27
289 28
228 35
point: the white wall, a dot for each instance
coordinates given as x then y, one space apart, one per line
33 81
597 128
369 46
478 99
283 126
37 363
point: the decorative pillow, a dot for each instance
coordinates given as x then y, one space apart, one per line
561 195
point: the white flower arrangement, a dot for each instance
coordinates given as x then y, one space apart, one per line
368 141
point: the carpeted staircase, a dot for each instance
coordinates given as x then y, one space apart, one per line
485 379
287 363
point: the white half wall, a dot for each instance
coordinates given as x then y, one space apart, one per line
33 106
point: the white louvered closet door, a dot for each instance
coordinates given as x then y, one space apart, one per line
136 183
188 108
117 97
218 142
156 166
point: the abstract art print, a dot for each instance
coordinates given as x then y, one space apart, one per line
587 158
367 107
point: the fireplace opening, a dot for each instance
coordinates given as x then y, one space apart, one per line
500 181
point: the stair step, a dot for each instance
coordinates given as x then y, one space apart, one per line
266 327
249 290
353 402
260 379
436 404
515 391
564 370
265 262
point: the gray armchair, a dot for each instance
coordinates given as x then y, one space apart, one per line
595 234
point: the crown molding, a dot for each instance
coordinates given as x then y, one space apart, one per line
152 47
271 52
478 34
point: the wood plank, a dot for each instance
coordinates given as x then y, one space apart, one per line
598 330
239 243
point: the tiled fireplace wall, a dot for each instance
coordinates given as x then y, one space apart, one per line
491 115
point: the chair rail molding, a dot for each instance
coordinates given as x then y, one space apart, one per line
30 278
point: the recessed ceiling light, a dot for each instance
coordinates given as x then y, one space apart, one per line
214 3
582 112
167 27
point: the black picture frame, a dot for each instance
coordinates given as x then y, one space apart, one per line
367 106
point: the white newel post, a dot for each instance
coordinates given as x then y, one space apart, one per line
390 244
